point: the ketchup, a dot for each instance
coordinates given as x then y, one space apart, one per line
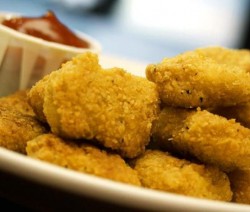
47 27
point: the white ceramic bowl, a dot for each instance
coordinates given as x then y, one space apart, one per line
25 59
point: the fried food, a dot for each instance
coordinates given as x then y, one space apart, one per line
17 128
159 170
36 98
235 57
18 101
81 157
210 138
110 106
240 113
37 93
240 183
99 118
194 80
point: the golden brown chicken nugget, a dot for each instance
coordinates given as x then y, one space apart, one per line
194 80
210 138
81 157
240 113
18 101
159 170
111 106
36 97
240 184
37 92
17 128
236 57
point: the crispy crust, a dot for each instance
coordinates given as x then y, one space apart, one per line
240 113
194 80
36 97
210 138
37 93
159 170
81 157
235 57
110 106
18 101
17 128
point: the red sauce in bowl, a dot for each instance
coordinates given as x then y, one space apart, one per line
46 27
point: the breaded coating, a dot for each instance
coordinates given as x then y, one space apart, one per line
110 106
236 57
81 157
193 80
37 93
210 138
240 113
240 184
17 128
169 121
159 170
18 101
36 98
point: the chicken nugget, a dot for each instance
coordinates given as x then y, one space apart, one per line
194 80
210 138
17 128
240 113
81 157
110 106
159 170
37 92
18 101
240 184
36 97
235 57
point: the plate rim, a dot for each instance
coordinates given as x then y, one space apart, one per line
95 187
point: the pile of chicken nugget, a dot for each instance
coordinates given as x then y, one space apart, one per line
183 129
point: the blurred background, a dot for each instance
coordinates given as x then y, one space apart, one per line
148 30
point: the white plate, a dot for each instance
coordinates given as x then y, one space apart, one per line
103 189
